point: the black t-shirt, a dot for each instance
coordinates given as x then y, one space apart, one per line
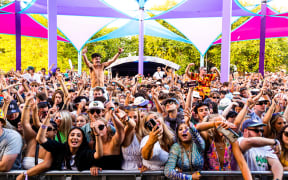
61 154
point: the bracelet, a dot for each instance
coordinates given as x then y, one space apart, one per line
276 142
127 120
26 175
27 106
43 126
96 134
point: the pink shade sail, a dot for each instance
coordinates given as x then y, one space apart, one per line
8 8
284 15
28 26
275 27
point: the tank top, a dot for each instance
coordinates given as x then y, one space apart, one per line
132 155
213 159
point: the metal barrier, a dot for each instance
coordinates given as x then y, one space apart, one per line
129 175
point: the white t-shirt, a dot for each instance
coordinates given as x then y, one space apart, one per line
159 157
158 75
36 77
256 158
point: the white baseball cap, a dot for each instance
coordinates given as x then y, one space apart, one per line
96 105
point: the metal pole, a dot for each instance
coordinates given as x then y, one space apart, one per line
226 40
18 34
201 60
52 33
262 37
79 62
141 41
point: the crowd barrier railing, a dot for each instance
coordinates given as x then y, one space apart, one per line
129 175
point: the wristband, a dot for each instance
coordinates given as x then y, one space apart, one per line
43 126
26 175
276 142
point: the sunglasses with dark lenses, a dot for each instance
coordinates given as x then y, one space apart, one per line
285 133
261 103
34 86
51 129
98 111
257 130
101 127
170 102
216 97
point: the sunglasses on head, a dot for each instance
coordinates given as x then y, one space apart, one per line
101 127
98 111
257 130
261 103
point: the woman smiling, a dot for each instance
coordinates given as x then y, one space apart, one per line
74 154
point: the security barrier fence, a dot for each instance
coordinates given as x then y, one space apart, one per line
133 175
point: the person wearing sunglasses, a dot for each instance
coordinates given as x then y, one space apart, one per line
283 138
174 117
35 154
63 120
274 121
259 109
215 97
131 145
74 154
111 141
96 109
257 150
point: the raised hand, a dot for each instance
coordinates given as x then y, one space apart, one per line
84 50
120 50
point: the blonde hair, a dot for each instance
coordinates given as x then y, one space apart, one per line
168 137
66 123
211 118
110 133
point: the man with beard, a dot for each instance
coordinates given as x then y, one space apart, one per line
174 117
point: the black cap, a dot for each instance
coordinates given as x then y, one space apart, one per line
13 108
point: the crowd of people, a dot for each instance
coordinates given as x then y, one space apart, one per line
181 124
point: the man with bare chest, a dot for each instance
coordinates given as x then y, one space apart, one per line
97 68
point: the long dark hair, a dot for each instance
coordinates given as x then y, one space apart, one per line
280 135
177 129
83 146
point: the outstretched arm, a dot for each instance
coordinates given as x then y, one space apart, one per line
276 167
84 51
119 135
241 161
250 142
98 145
187 71
114 58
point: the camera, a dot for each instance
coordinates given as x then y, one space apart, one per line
231 135
191 84
150 124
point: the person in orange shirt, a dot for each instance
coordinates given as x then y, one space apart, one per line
203 79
